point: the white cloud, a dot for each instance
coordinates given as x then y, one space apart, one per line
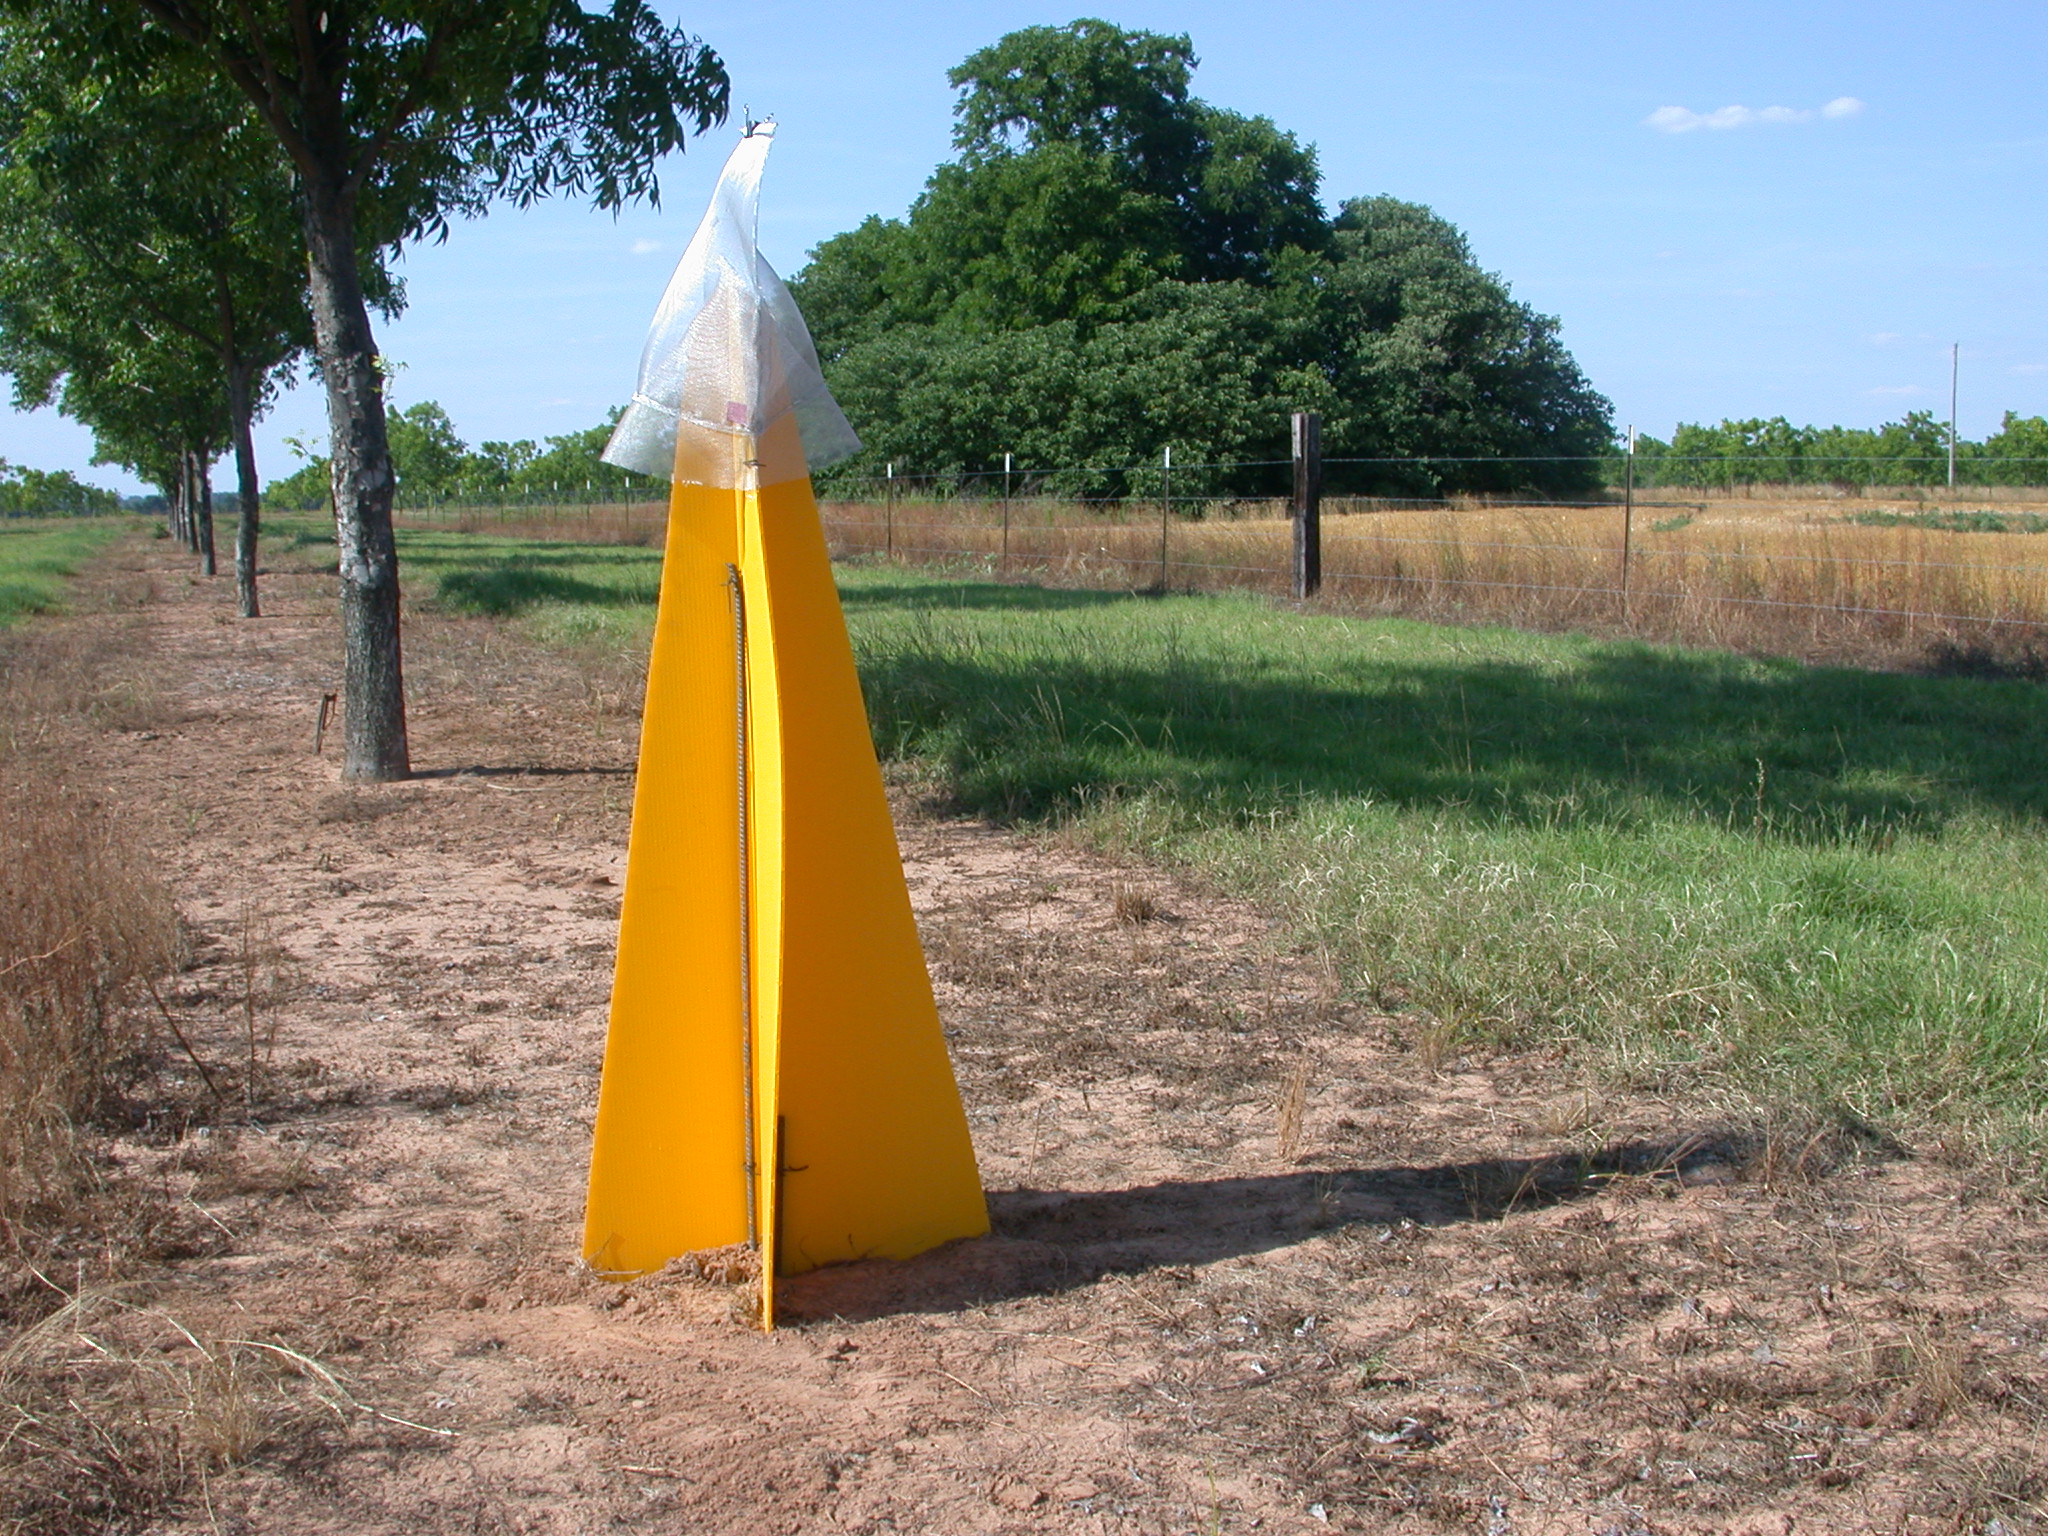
646 247
1897 389
1884 338
2030 368
1685 120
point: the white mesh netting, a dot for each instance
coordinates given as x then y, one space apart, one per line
728 352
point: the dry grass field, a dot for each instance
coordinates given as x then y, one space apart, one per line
1866 580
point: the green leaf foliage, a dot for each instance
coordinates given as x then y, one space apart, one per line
1910 452
1113 267
435 465
26 492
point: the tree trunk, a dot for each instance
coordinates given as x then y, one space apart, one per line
373 697
188 512
203 473
247 515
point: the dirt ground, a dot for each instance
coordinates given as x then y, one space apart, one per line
1261 1261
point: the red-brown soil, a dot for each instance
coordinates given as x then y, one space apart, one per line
1261 1261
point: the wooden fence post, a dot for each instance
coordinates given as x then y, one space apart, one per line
1308 503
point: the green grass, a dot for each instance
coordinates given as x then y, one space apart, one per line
1819 885
38 554
1956 522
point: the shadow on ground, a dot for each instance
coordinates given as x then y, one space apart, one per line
1052 1240
520 771
1032 721
993 595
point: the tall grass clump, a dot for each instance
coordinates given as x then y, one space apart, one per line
83 925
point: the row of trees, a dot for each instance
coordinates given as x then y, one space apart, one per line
37 492
433 464
1111 266
198 197
1914 451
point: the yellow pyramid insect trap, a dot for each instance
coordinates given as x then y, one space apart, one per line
775 1072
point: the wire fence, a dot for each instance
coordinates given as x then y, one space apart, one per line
1908 576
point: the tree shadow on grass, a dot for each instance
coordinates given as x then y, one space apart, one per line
998 596
503 590
1044 1241
519 771
1032 723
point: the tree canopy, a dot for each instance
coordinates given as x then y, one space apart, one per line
1113 266
394 116
152 276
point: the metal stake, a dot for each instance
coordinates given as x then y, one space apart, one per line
739 664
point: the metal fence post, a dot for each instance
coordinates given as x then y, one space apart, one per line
889 514
1006 512
1308 503
1628 515
1165 510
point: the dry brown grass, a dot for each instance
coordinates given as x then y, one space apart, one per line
110 1407
1782 570
84 926
635 522
92 1430
1785 575
1764 574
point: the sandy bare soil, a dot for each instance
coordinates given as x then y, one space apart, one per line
1261 1261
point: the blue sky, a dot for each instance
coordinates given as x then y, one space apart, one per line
1797 261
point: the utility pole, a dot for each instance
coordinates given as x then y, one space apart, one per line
1955 363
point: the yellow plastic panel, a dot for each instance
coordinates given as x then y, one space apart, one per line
667 1168
877 1161
851 1085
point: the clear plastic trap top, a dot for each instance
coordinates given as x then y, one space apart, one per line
729 364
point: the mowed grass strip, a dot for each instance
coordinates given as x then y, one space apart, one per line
1820 886
37 554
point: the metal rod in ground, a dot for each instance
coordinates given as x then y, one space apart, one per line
889 515
746 955
1165 511
1308 504
1006 512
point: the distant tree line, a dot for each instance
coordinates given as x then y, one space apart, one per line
434 465
43 493
1913 451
